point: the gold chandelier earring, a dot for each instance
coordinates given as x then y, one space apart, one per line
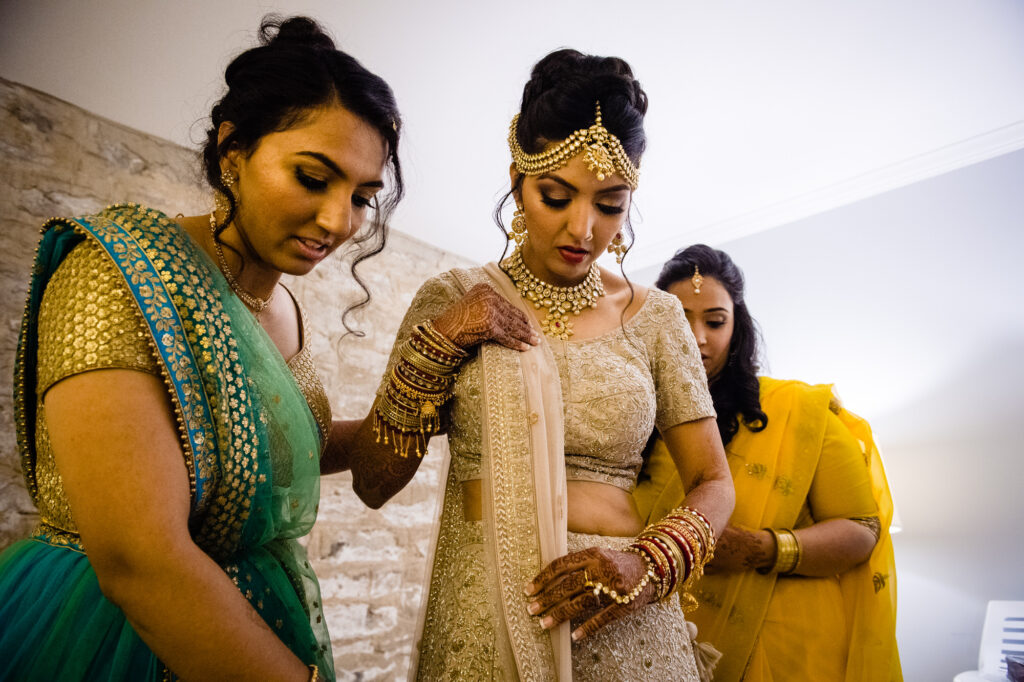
618 249
518 232
221 204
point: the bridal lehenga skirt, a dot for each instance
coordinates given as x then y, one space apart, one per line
648 645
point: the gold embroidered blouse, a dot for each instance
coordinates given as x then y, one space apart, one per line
616 388
88 320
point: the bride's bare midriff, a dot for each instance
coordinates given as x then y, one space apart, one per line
593 507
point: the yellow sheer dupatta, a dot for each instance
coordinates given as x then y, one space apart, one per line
772 471
869 590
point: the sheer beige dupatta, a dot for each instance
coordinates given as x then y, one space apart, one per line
524 496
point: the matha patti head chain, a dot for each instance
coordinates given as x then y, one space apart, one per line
602 150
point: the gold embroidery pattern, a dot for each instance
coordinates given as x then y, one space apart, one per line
514 503
231 476
615 389
879 580
312 388
872 523
458 637
649 644
58 537
757 470
784 485
87 320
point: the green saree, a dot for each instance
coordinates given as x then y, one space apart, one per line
251 449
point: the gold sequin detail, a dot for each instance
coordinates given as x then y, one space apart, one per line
87 321
616 388
304 371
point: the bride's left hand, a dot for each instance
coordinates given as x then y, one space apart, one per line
561 591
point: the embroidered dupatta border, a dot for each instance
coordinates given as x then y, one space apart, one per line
191 333
524 491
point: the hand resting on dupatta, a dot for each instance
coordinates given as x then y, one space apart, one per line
379 471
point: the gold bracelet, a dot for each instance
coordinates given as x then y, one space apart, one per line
794 551
440 341
661 562
314 673
415 357
787 551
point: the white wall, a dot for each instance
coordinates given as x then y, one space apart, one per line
752 103
912 303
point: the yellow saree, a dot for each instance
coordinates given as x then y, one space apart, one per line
841 627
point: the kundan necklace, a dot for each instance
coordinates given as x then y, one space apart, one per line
559 301
256 304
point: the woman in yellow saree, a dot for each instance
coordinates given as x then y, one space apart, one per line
803 584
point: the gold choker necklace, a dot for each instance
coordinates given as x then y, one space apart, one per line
256 304
559 301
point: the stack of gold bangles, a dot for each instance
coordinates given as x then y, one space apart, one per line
676 550
787 551
420 383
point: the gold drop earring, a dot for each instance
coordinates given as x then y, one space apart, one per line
618 248
518 232
220 200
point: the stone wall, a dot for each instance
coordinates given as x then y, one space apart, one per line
61 160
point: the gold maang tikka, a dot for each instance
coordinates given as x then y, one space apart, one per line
697 280
603 153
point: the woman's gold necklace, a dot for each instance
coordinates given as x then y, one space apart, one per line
256 304
559 301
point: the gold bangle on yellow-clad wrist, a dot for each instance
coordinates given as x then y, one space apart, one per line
314 673
787 552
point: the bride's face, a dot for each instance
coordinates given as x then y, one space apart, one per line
571 218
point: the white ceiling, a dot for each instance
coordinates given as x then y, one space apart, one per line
760 113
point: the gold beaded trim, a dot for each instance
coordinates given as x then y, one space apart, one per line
603 153
559 301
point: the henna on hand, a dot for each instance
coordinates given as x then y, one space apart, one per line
485 315
741 549
559 593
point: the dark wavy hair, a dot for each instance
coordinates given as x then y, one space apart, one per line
559 99
735 390
296 70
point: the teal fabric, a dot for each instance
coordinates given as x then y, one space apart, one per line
251 444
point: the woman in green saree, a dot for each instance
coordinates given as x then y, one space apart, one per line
171 424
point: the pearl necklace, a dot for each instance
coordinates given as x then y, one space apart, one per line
559 301
256 304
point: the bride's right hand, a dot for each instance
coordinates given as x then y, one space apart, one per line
485 315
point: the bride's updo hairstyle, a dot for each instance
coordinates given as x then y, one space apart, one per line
294 71
560 98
